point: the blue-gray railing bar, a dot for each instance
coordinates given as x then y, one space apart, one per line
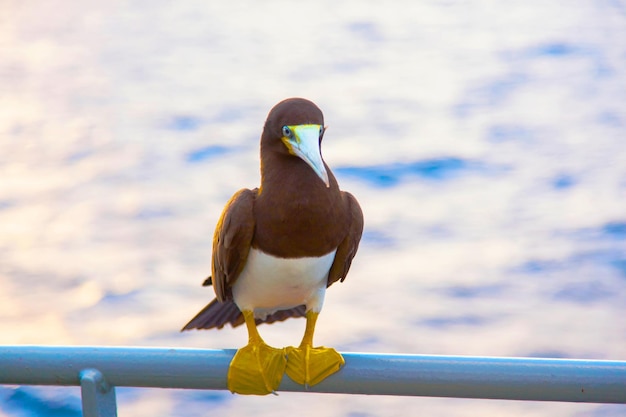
572 380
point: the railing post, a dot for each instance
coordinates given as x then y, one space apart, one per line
98 396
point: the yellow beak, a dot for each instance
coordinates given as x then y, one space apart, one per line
303 141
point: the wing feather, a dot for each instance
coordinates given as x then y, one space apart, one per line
231 242
348 247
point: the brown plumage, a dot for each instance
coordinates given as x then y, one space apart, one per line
293 214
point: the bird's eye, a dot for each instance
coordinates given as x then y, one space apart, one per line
321 130
286 132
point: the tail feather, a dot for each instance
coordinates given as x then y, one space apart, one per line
282 315
217 315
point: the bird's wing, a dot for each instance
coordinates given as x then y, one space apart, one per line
348 247
231 242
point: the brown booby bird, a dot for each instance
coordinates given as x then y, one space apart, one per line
277 248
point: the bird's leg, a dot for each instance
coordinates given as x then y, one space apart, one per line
307 365
256 368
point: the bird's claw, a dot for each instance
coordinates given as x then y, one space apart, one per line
256 369
309 366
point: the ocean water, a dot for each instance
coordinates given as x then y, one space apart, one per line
484 140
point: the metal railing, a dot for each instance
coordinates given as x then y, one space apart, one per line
97 370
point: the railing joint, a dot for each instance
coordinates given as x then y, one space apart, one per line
98 395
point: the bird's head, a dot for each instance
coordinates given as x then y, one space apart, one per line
295 126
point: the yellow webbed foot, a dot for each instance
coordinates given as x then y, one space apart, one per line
308 366
256 369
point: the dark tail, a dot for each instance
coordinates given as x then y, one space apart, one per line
217 315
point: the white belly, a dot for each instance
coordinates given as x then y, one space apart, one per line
268 284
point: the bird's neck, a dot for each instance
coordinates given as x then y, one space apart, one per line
283 172
294 205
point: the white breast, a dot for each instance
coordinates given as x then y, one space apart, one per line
268 284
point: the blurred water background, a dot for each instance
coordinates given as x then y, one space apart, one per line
486 142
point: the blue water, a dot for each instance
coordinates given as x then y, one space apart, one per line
205 153
391 174
28 402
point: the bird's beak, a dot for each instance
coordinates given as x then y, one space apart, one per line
304 142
